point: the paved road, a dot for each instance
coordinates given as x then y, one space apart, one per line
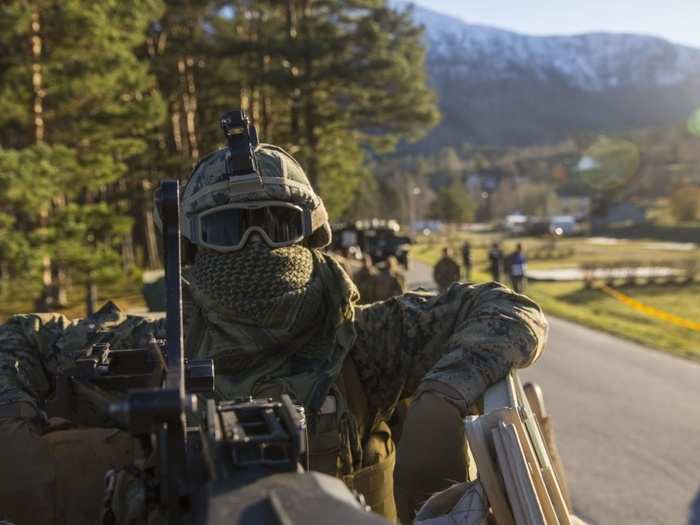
627 421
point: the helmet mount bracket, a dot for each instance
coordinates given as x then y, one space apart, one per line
242 139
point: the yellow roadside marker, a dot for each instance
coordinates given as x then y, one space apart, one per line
650 310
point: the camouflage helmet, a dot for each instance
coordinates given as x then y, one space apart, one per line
279 178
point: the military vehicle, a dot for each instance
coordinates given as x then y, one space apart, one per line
378 238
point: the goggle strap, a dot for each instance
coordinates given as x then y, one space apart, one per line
246 183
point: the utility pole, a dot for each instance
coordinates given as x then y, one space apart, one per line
415 191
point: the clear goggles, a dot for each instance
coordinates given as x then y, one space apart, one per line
227 228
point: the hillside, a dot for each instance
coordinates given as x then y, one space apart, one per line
502 88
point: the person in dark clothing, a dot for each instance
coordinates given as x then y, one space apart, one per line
446 271
495 261
467 260
517 265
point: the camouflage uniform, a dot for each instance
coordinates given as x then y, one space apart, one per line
366 280
456 344
446 272
313 343
389 282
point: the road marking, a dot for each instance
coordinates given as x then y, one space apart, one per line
650 310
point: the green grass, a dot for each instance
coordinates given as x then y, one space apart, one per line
598 310
126 294
592 307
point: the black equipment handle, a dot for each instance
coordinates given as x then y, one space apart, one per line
161 412
170 202
172 440
242 139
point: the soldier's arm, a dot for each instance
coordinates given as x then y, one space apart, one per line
458 343
34 348
25 359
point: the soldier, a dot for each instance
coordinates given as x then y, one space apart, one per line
467 260
517 265
495 261
277 316
390 281
446 271
365 280
344 262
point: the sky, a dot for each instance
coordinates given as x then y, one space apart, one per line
675 20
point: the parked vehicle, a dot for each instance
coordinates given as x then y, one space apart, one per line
378 238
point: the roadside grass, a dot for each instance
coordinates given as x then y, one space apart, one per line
597 310
592 307
582 250
126 294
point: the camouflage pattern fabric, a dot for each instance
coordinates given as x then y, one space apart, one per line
446 272
388 284
272 162
300 343
456 344
35 348
344 263
366 279
281 179
460 342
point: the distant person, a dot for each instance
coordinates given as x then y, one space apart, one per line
446 271
342 258
517 265
495 261
365 280
467 260
390 280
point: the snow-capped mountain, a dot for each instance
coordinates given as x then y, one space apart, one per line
500 87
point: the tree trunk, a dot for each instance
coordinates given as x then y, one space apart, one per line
37 77
175 126
43 303
188 100
90 296
309 106
127 242
295 95
4 277
60 295
263 119
128 254
149 233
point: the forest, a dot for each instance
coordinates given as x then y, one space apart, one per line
100 101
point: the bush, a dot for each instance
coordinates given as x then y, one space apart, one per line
530 198
453 204
685 204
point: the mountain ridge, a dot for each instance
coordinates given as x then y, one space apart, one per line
500 87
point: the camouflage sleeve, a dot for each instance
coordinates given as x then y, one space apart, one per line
36 347
458 343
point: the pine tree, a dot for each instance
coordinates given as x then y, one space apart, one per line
99 101
453 204
331 80
84 107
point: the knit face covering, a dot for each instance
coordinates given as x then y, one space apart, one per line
249 282
271 317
